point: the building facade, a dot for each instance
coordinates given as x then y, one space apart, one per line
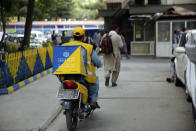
149 24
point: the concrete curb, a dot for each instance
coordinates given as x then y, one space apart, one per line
54 115
19 85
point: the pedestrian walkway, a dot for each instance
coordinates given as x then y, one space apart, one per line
143 100
30 108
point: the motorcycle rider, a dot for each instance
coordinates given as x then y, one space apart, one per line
92 62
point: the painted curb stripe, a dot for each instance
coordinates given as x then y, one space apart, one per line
21 84
3 91
15 87
38 75
10 89
26 81
45 72
35 77
42 74
31 79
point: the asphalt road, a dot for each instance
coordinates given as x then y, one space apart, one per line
142 101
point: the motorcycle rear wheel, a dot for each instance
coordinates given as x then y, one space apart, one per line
71 120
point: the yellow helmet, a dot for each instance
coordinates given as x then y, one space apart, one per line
78 31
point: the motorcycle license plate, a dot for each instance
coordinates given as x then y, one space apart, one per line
67 94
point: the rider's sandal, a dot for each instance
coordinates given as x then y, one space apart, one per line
95 105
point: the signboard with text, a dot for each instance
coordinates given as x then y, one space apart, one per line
70 59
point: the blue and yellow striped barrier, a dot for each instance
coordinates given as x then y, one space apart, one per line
19 66
15 87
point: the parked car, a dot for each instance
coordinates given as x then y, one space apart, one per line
14 38
180 62
39 36
191 86
190 79
1 35
18 38
34 43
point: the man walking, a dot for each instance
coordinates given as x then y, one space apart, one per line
112 61
97 39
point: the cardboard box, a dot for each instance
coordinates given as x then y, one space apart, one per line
70 59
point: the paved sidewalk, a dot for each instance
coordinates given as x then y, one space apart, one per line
30 108
35 106
142 101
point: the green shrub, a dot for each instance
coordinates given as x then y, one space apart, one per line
12 47
47 43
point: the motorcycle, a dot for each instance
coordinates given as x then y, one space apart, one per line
73 95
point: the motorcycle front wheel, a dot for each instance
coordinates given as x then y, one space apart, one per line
71 120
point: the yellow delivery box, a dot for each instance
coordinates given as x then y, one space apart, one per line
70 59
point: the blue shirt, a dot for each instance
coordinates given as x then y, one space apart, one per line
96 60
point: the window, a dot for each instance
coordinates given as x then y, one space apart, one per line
90 26
49 27
73 26
164 32
144 31
177 26
191 25
149 31
101 26
66 26
36 27
60 26
191 38
10 26
139 31
19 26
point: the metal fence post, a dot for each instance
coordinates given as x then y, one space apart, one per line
3 70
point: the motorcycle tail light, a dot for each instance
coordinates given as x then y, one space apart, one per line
69 85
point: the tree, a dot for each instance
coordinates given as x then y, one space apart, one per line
43 9
28 23
22 9
87 9
61 9
8 8
53 9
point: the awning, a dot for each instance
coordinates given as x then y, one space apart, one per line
140 17
153 12
152 9
145 17
177 10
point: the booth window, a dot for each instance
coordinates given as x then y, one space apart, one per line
191 25
177 26
164 32
149 31
139 31
144 31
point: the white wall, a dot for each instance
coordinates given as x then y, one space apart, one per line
184 1
170 2
114 1
164 2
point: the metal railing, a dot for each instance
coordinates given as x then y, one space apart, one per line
15 67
